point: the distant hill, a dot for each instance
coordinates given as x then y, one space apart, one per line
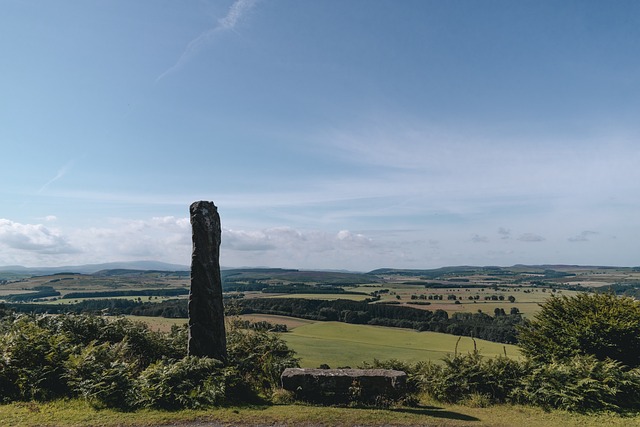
292 275
93 268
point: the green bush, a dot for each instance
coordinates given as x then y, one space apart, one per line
32 361
582 383
259 359
121 363
192 382
602 325
103 374
463 377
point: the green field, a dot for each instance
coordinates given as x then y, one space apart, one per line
341 344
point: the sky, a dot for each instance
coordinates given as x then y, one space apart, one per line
333 134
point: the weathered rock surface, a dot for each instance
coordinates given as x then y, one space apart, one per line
344 385
207 336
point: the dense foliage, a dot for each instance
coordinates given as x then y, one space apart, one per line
581 383
123 364
583 354
602 325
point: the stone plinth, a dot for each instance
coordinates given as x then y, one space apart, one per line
344 385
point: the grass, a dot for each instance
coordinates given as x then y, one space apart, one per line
162 324
75 413
342 344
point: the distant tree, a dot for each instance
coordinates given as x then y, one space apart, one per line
602 325
511 299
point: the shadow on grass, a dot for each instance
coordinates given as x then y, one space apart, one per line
424 410
434 411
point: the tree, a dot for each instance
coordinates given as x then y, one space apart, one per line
602 325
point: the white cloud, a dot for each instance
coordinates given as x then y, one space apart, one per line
288 247
33 237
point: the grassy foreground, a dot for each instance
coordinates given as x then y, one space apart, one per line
68 413
342 344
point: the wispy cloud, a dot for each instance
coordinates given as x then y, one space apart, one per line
531 237
61 172
237 10
583 237
479 239
504 233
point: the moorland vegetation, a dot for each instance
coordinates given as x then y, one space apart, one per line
123 364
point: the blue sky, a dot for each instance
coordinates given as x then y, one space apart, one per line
331 134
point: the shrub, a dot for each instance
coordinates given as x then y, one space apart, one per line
191 382
601 325
582 383
465 377
259 359
103 374
32 361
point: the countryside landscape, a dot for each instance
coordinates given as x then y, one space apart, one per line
426 213
385 318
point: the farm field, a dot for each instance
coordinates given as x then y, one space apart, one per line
527 299
329 297
128 298
454 289
341 344
162 324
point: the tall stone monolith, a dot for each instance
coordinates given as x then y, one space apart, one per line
207 336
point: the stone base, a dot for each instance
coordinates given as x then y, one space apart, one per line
345 385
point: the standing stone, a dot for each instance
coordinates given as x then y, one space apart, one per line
207 335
